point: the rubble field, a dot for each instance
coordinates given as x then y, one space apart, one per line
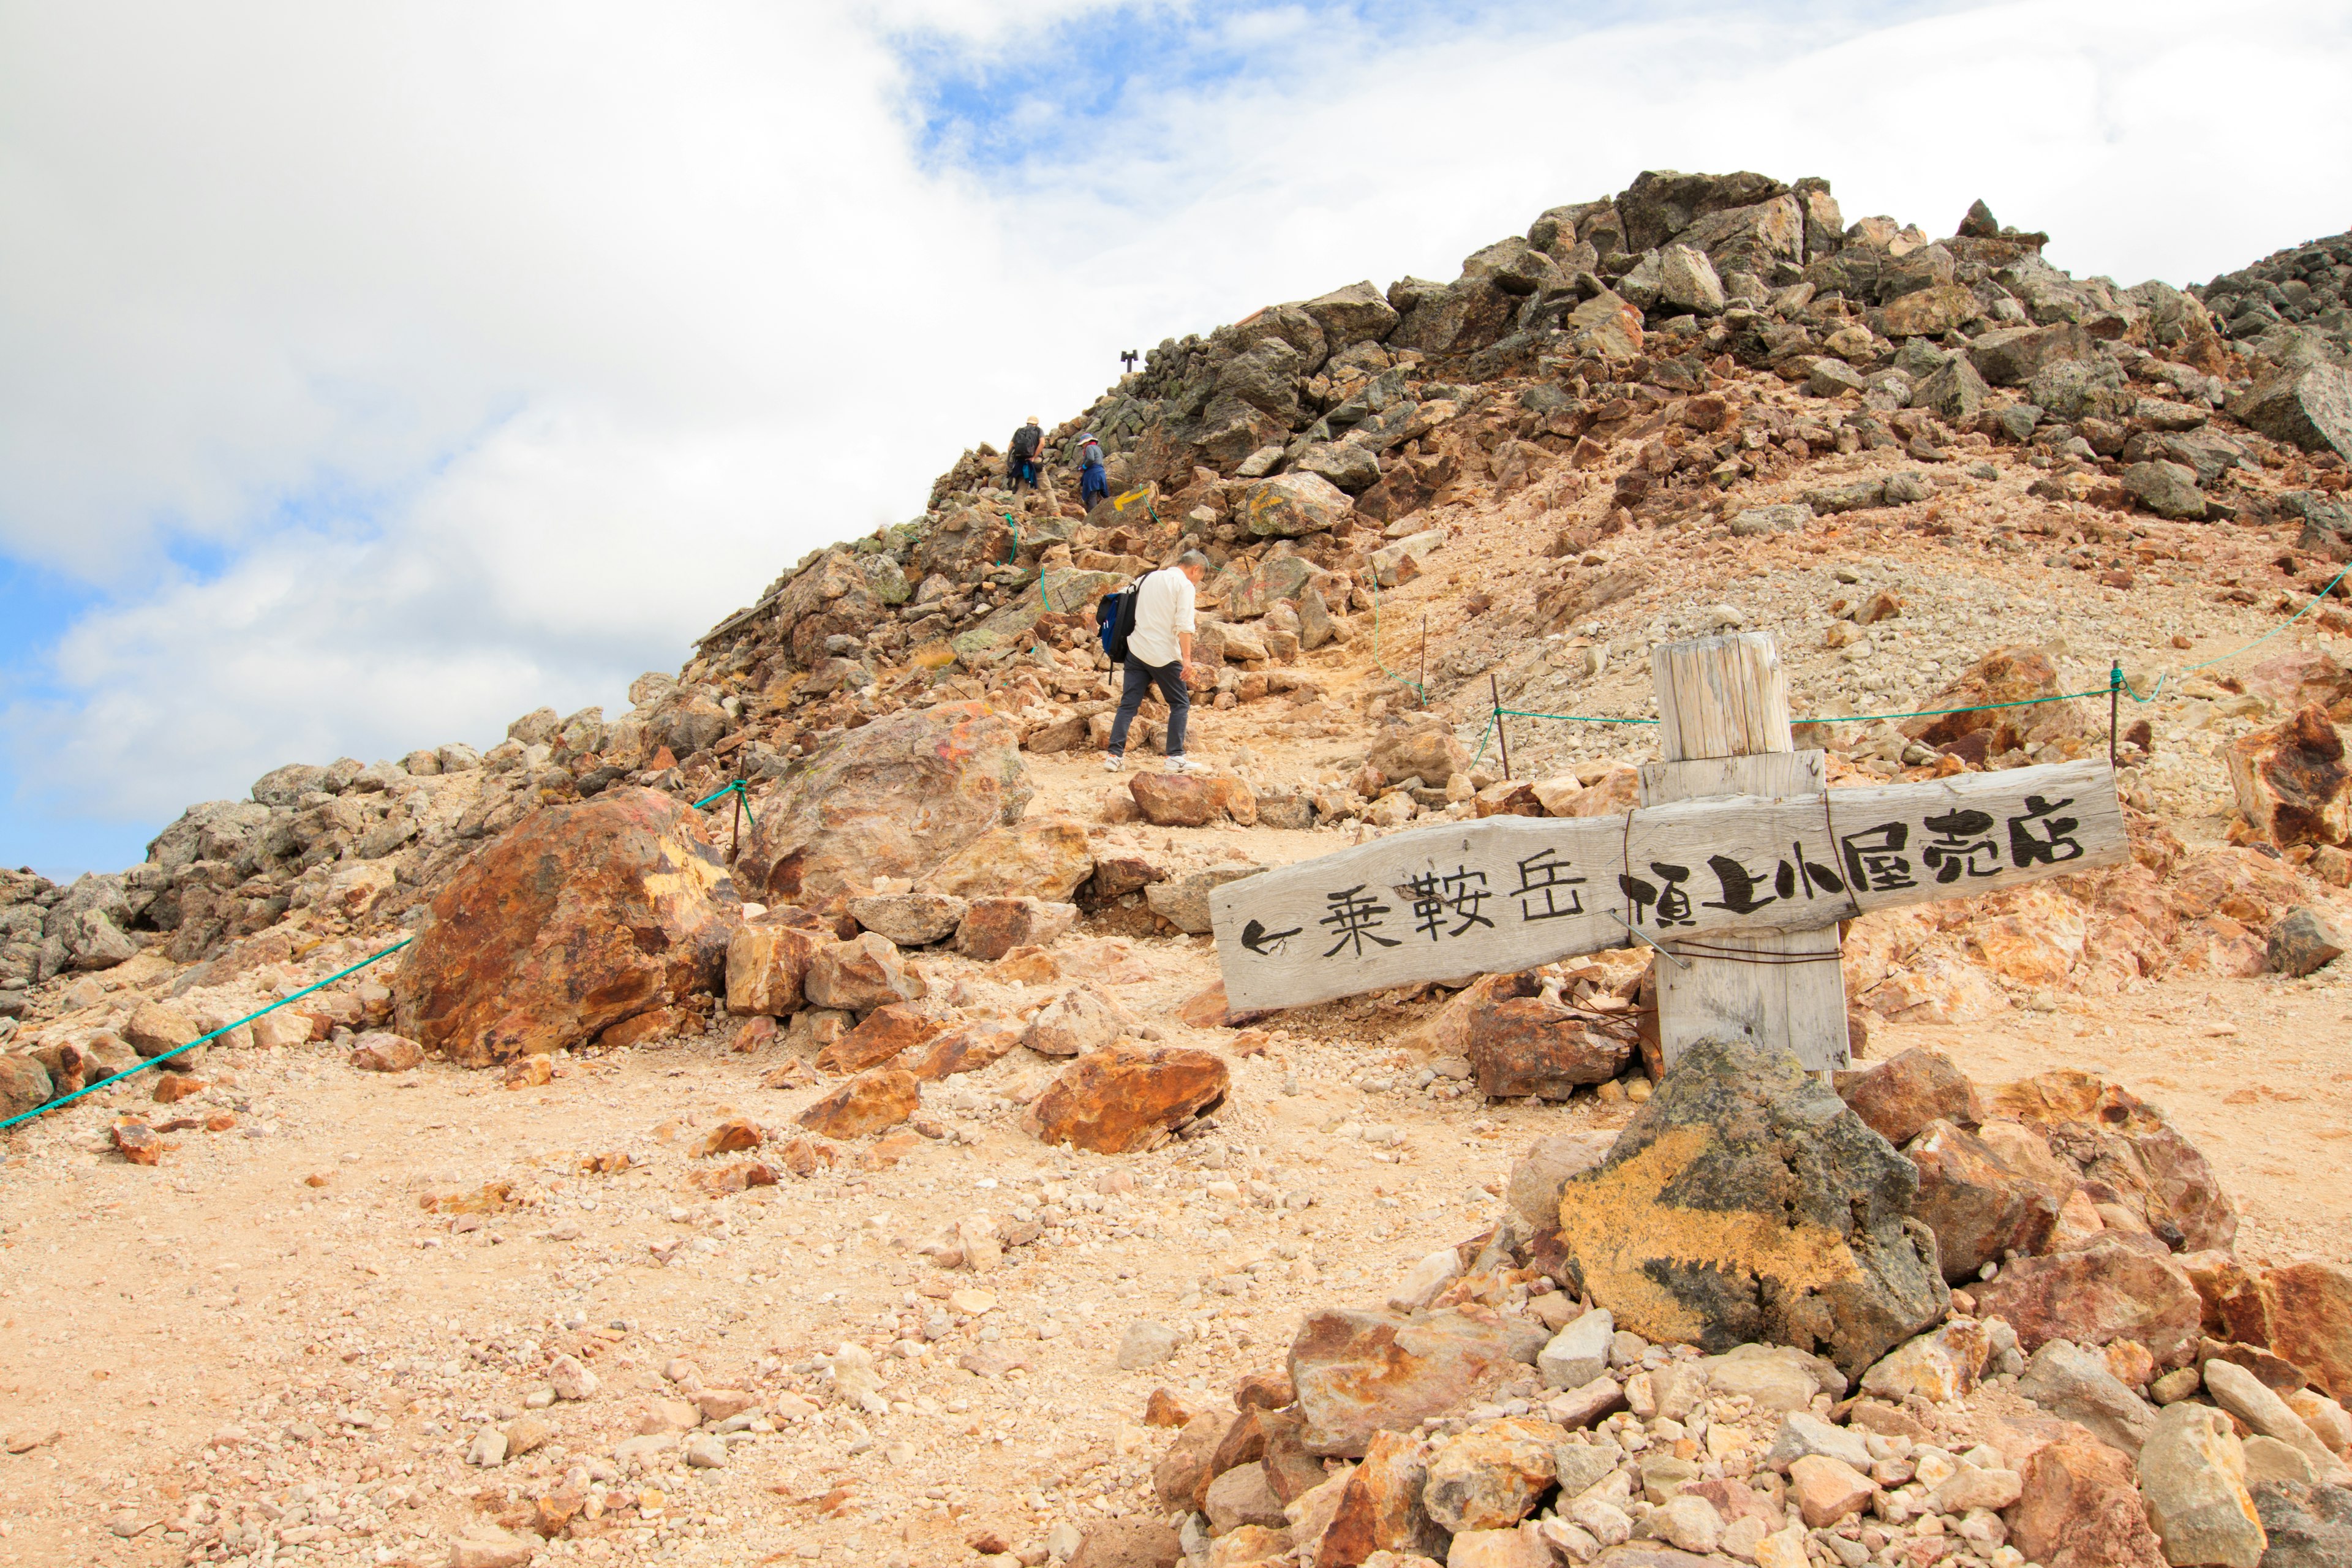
879 1176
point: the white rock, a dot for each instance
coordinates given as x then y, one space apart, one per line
1579 1352
1425 1280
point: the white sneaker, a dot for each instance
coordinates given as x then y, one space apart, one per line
1184 765
1113 763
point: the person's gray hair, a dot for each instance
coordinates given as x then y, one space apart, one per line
1193 558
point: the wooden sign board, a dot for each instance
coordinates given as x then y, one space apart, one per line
1509 893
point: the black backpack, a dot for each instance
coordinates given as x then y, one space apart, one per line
1115 621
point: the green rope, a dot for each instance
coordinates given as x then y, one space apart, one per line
1485 734
192 1045
736 789
1940 713
1573 718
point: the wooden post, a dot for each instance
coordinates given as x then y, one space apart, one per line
1723 727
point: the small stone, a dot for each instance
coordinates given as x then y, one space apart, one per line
1689 1522
525 1432
1827 1491
706 1452
1580 1353
568 1379
488 1448
1144 1344
382 1051
1803 1434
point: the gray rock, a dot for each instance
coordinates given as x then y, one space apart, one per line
1886 390
2168 489
2304 942
1352 468
1855 495
2189 1471
1639 287
1831 376
282 787
2268 1459
2011 356
1776 1378
1545 1168
1583 1466
1183 901
2083 389
1579 1352
537 728
1908 485
1144 1344
90 940
1803 1434
1953 392
707 1451
1686 281
2017 421
2308 1527
1357 314
458 758
1784 518
2075 1383
2310 406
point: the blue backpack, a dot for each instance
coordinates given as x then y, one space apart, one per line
1115 621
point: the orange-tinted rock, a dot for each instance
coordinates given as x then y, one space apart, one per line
2112 1136
1129 1543
766 966
1118 875
966 1049
2081 1509
892 798
1526 1044
136 1142
383 1052
24 1084
861 975
2309 1306
2291 781
884 1032
805 1156
1041 857
1380 1508
579 917
2106 1291
1490 1477
1899 1097
1184 800
866 1103
1182 1473
757 1034
2302 678
1977 1206
731 1136
170 1088
1359 1372
1264 1391
1128 1098
2004 675
659 1024
994 927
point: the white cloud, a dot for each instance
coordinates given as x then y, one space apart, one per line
498 351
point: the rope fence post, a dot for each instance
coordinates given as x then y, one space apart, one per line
1502 735
2114 698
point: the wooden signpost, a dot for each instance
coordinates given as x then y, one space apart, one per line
1737 867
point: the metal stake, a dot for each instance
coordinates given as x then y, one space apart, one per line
1501 735
1680 962
2114 696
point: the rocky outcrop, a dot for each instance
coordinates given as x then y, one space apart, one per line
1745 1202
581 917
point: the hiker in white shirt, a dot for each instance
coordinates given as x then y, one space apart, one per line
1160 653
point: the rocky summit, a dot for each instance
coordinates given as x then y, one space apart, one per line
799 1118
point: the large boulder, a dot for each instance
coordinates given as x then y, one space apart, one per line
1531 1045
2081 1509
894 798
1358 314
1745 1202
2310 406
579 917
1978 1205
2291 781
2095 1295
1124 1099
2005 675
1289 506
2107 1134
1046 857
1899 1097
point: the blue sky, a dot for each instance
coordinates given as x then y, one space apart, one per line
371 376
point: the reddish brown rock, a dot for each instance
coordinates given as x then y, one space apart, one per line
966 1049
2106 1291
866 1103
861 975
803 1156
136 1142
579 917
2081 1509
159 1027
1128 1098
884 1032
731 1136
2111 1136
1119 875
1380 1508
1359 1372
2010 675
767 965
1528 1044
1263 1391
1192 800
2291 781
25 1085
1977 1206
660 1023
1041 858
1899 1097
1182 1474
170 1088
2309 1308
1490 1477
994 927
892 798
381 1051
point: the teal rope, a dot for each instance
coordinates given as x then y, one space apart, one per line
192 1045
734 789
1485 734
2158 689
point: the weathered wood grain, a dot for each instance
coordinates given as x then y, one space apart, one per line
1511 892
